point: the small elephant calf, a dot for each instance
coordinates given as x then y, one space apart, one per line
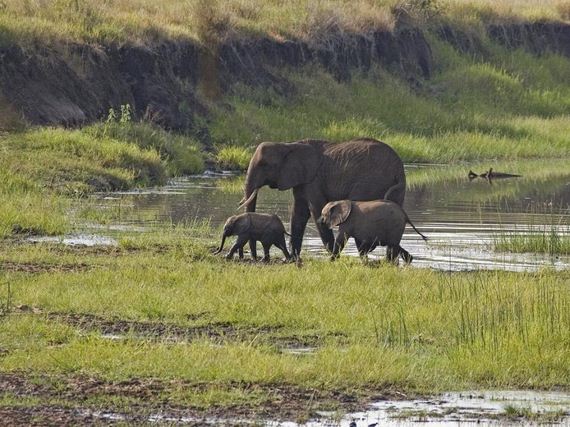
371 223
267 228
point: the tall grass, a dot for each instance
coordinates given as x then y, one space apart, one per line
145 20
181 154
553 239
421 127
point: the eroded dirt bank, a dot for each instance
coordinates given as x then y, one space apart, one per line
72 83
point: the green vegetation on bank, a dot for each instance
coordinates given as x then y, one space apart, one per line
145 20
510 106
42 168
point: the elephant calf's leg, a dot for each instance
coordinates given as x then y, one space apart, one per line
283 246
239 244
252 249
339 244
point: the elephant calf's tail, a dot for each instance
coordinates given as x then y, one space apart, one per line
414 227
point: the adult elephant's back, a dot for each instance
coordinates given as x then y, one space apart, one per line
362 169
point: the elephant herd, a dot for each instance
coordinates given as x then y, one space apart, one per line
358 186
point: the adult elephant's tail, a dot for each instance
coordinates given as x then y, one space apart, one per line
396 188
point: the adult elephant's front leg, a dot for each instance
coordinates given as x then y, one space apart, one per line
299 218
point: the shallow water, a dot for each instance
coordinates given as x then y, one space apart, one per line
460 217
76 240
452 409
476 408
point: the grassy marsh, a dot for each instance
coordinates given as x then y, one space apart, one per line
412 329
216 333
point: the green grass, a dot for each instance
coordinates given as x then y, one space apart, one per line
542 417
405 328
544 239
45 168
182 154
233 158
73 161
469 111
143 20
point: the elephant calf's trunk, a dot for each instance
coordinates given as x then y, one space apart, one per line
221 245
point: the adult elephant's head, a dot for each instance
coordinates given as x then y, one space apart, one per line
279 165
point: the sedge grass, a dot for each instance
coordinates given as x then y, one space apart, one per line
549 239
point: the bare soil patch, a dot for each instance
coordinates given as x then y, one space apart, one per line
218 332
32 267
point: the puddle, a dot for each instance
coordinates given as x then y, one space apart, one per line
466 409
449 409
76 240
460 217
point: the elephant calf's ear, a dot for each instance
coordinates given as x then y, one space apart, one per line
339 212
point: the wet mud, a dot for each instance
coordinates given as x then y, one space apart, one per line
34 268
216 332
149 402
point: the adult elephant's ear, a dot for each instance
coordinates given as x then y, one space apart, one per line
339 212
299 166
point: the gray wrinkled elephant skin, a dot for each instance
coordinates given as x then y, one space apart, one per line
266 228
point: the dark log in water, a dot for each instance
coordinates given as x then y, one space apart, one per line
490 174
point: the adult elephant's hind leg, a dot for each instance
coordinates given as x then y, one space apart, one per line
392 253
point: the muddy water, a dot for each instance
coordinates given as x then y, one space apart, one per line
452 409
461 217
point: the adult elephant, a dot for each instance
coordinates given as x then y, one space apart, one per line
320 172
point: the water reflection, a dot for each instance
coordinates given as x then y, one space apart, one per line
460 217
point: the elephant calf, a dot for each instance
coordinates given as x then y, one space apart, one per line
266 228
371 223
